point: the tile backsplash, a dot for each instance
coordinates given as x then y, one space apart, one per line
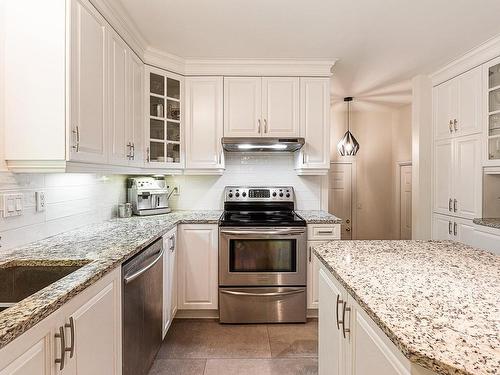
72 200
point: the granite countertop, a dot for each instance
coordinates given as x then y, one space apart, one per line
319 217
437 301
488 222
98 247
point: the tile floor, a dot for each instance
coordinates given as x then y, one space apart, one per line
205 347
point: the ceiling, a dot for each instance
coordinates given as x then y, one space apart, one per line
380 44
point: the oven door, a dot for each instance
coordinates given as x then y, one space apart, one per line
262 256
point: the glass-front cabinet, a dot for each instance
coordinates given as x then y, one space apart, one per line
493 109
164 119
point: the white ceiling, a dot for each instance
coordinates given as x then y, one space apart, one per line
380 44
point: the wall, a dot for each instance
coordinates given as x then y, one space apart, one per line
384 135
206 192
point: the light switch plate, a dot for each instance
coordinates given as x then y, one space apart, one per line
40 201
12 205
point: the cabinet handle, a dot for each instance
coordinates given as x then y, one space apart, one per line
450 227
71 326
129 153
265 126
455 229
220 156
325 231
455 124
303 157
344 329
76 132
60 336
258 122
450 203
309 254
339 302
450 126
132 149
147 154
455 205
172 244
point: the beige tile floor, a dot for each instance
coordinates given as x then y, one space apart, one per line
205 347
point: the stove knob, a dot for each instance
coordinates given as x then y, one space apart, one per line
237 195
243 194
230 195
288 195
274 194
281 195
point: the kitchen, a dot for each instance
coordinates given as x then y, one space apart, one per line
172 204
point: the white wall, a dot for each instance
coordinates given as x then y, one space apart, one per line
206 192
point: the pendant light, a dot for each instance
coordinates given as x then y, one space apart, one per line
348 146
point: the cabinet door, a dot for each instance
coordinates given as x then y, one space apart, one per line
443 176
469 102
280 107
331 353
198 265
442 227
464 232
467 177
33 361
443 121
135 123
88 118
169 280
119 108
204 123
314 123
242 106
313 267
487 241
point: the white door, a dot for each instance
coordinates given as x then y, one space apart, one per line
243 107
443 176
119 108
204 122
313 267
443 117
331 353
442 227
487 241
169 279
340 196
88 119
135 101
405 203
464 232
280 107
315 123
467 177
34 361
469 102
198 267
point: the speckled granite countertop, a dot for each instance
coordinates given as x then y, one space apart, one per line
319 217
488 222
101 247
437 301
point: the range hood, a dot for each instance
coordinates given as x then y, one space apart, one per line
260 144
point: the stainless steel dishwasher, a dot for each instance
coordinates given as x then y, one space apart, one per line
142 279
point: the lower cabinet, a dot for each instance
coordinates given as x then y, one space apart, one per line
485 240
198 267
82 337
350 343
169 279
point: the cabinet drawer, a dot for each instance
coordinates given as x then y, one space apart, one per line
323 232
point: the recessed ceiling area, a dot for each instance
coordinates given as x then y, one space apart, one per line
379 44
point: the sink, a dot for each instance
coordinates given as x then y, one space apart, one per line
20 281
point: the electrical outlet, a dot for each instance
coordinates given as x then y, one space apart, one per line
40 201
176 190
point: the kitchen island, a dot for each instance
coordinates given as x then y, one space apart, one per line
433 305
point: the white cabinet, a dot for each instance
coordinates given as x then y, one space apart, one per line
135 116
446 227
204 125
261 107
169 278
90 324
457 105
198 267
457 177
314 157
485 239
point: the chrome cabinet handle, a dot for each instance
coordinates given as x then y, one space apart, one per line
455 205
450 126
61 360
325 231
71 326
339 302
76 132
129 153
172 244
450 227
147 155
310 255
344 329
132 149
455 124
128 279
258 122
455 229
265 126
450 203
220 156
303 157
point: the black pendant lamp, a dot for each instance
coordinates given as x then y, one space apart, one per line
348 146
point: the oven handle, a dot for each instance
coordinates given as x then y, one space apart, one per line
264 231
272 294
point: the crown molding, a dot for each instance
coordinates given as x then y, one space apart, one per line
165 60
475 57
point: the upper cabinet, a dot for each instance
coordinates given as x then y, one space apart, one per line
204 125
261 107
457 105
164 118
492 83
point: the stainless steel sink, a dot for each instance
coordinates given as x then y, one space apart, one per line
20 281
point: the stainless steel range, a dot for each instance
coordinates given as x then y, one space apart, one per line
262 257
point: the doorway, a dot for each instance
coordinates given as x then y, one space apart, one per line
340 197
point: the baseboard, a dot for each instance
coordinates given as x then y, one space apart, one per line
197 314
312 313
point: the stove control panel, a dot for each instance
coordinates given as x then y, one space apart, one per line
258 194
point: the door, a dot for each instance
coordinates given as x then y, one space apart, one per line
88 117
204 122
443 175
442 227
243 107
313 268
340 196
119 150
315 123
443 117
169 280
34 361
135 127
280 107
197 268
467 174
405 203
469 102
331 353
